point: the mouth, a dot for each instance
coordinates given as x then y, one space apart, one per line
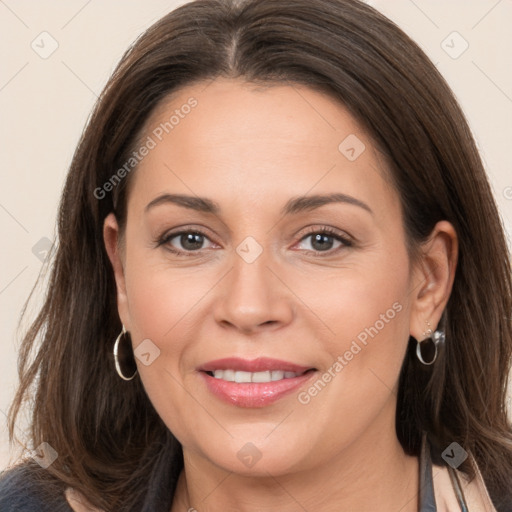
240 376
253 383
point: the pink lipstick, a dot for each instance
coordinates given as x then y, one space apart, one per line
253 383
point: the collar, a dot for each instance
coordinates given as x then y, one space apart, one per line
426 491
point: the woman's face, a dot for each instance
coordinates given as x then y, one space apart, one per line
261 174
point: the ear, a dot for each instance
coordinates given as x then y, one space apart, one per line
433 277
116 255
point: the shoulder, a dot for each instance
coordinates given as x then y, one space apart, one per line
22 491
474 492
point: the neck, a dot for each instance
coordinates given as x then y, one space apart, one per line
372 473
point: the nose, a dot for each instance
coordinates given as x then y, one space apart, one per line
253 296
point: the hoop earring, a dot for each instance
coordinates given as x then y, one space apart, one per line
436 338
121 355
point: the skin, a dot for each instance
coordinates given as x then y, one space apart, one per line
339 451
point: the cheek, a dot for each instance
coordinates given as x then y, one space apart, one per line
362 361
160 298
161 309
367 312
374 310
365 304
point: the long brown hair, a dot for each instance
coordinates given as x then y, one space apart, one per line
111 444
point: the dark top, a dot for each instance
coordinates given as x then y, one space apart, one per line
20 491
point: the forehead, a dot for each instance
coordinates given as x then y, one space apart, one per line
253 144
276 114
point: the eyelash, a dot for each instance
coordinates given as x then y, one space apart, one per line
325 230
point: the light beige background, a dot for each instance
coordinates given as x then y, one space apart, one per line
44 103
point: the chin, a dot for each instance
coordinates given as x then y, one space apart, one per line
260 457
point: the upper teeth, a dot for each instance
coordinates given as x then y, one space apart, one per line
239 376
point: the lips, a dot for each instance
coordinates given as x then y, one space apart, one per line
241 376
253 383
261 364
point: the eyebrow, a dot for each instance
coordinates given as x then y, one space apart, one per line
293 206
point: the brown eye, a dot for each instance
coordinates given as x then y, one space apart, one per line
325 240
184 242
190 241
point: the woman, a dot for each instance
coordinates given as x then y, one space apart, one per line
281 281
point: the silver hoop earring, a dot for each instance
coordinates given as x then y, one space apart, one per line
122 356
436 338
